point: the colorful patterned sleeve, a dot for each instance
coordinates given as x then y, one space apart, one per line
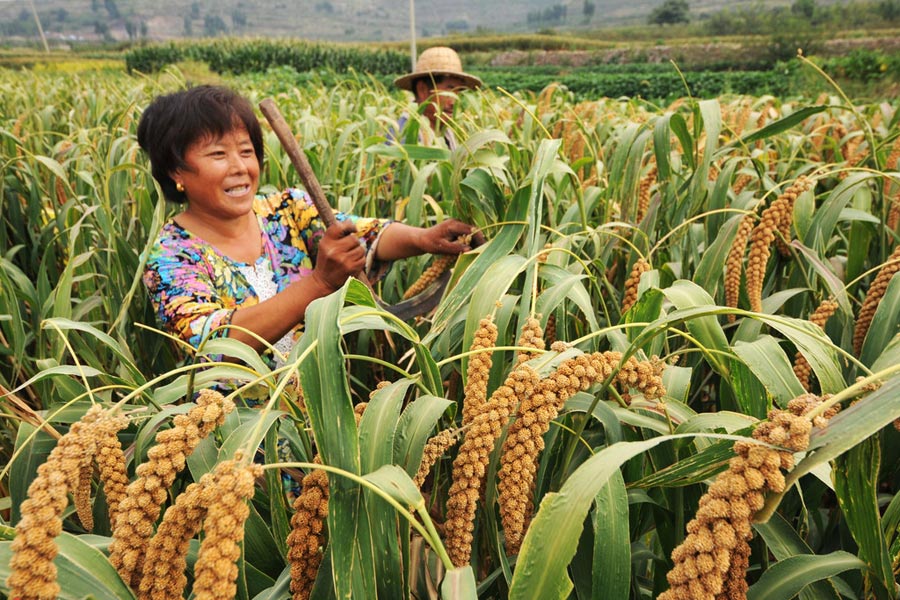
301 226
182 287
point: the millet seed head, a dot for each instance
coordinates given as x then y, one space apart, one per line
32 572
630 295
215 571
140 507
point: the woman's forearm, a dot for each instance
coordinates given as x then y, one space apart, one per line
273 318
399 241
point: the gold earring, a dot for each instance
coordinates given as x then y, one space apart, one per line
179 187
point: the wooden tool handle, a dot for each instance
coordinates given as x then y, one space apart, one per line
298 159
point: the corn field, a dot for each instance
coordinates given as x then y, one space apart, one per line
671 372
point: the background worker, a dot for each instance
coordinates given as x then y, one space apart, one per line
435 82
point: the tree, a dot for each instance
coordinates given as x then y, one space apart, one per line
239 18
112 9
889 10
24 25
670 12
589 8
804 8
102 29
555 13
213 25
188 26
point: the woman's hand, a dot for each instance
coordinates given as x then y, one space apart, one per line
340 256
402 241
442 238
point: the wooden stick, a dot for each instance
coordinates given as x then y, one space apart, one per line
300 162
298 159
405 310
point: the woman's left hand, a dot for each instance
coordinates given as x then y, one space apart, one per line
443 238
402 241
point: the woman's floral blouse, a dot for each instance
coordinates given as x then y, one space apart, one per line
195 289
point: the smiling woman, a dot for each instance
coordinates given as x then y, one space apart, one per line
220 176
235 258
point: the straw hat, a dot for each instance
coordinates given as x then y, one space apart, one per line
438 60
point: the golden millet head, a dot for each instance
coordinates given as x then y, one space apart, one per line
559 346
873 299
438 266
140 507
434 449
215 572
167 550
479 368
734 263
473 456
630 295
32 572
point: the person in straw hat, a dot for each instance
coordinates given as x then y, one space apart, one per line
435 83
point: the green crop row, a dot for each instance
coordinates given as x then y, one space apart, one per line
581 85
243 56
652 84
329 63
864 65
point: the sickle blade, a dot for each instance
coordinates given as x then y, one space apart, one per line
422 303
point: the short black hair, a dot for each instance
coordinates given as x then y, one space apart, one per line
174 121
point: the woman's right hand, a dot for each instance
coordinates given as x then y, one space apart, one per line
340 255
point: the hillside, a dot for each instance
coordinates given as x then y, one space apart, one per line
335 20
